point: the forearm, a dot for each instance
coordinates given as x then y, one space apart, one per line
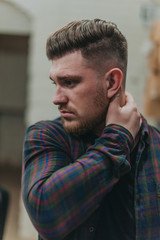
62 200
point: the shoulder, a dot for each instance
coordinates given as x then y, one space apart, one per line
50 126
46 124
46 131
154 135
152 132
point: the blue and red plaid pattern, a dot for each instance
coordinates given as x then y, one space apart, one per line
65 178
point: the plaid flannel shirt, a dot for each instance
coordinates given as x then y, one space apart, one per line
65 178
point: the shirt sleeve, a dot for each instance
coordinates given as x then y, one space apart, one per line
60 195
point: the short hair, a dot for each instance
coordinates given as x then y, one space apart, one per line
100 42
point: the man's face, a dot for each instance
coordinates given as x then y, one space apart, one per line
80 94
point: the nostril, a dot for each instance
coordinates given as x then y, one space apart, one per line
60 99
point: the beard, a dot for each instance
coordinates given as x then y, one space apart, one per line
83 126
94 123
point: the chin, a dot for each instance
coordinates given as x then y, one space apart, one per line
75 127
82 126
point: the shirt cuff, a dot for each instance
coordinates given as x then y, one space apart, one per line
123 135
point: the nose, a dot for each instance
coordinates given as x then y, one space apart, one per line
60 97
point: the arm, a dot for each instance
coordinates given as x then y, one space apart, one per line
60 196
59 200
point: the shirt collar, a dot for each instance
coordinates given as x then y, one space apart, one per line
145 131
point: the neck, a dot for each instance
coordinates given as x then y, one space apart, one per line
98 131
122 97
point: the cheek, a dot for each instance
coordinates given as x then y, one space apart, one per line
89 100
100 99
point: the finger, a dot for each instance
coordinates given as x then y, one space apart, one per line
129 98
130 102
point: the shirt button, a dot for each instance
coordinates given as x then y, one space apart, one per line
91 229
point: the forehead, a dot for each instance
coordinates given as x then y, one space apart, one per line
72 62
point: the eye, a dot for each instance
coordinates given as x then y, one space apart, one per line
68 83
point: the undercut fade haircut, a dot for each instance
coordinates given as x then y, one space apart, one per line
100 42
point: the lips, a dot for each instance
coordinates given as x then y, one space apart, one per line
66 114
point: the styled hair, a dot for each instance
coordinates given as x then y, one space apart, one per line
100 42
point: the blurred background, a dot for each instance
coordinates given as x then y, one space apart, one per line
25 89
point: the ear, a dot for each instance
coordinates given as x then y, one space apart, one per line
114 79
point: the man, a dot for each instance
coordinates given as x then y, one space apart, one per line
94 173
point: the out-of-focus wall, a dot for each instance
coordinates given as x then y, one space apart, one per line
13 19
14 31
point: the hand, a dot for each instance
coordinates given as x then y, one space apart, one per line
126 116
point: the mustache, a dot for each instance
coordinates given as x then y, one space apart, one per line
66 109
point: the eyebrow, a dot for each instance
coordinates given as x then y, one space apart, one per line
71 77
